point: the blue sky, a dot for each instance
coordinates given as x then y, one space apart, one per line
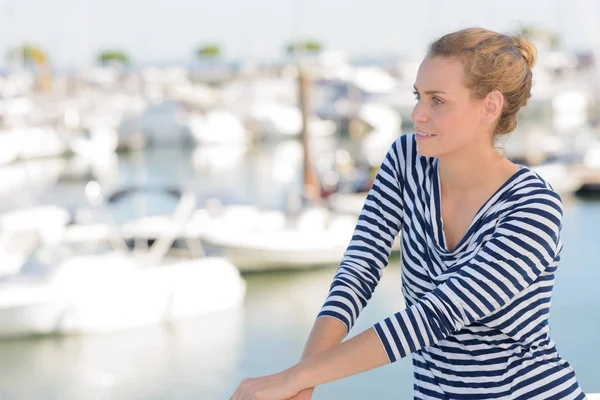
73 31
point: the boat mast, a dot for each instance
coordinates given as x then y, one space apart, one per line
311 190
310 183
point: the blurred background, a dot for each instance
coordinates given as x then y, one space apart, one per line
179 180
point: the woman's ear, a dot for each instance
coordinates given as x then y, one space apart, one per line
493 105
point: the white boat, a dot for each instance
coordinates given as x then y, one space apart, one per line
252 239
10 147
160 125
591 168
96 224
271 120
564 179
381 117
116 290
95 142
217 127
256 240
570 109
22 177
30 142
219 158
23 230
40 142
15 248
48 220
531 144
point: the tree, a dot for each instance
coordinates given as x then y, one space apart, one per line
304 46
38 60
535 33
113 57
34 54
29 53
210 51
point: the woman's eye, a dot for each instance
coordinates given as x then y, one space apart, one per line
437 101
417 96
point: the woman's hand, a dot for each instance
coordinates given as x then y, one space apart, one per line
358 354
280 386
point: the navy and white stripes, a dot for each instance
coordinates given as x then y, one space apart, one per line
476 321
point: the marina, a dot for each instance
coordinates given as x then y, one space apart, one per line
169 230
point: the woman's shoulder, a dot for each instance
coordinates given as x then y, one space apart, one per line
404 151
533 184
406 145
531 191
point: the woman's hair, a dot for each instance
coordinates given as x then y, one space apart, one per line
492 61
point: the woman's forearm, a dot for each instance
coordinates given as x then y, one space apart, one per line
326 333
361 353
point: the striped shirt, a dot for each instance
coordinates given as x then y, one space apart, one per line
476 317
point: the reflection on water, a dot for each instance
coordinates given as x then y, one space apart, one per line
179 361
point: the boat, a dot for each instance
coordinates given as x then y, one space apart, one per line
41 142
278 121
24 229
48 220
252 239
566 180
591 169
15 248
113 288
217 127
258 240
95 142
10 147
115 291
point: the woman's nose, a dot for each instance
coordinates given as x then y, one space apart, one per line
418 113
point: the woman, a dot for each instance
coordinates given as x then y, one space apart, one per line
480 246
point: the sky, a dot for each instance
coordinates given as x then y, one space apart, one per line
73 32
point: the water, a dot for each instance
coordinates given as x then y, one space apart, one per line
205 358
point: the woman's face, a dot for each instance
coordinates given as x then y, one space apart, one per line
447 119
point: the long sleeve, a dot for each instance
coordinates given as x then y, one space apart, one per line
367 254
524 245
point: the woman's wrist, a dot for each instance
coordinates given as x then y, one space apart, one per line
299 377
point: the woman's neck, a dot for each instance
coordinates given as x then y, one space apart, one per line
465 173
